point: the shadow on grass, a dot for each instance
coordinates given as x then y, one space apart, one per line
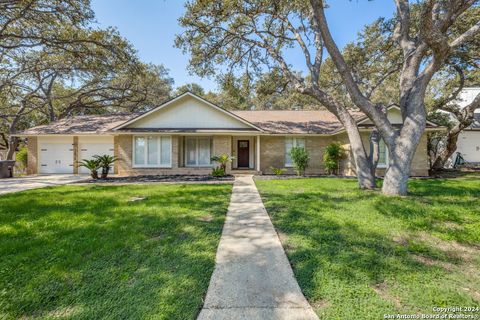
87 252
343 245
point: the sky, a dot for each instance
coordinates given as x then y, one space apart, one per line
151 26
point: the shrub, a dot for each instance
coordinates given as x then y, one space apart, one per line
218 172
93 165
300 159
223 160
278 171
105 162
334 153
22 158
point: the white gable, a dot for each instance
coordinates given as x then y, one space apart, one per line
393 114
189 111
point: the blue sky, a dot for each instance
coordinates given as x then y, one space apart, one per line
151 26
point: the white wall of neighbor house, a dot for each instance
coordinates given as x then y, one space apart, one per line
468 145
189 112
252 147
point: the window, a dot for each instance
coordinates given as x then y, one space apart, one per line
289 144
382 154
152 151
197 151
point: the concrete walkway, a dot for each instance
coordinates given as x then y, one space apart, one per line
252 278
9 185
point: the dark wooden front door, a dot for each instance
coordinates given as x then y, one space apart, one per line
243 153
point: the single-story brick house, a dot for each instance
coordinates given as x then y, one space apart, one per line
181 135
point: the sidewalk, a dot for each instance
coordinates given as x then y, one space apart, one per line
252 277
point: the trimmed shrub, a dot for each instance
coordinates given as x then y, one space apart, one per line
334 153
300 158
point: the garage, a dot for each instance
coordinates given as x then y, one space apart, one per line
91 146
55 155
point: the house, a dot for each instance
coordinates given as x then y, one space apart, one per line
180 136
468 143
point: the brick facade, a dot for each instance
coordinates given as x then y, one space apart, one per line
123 148
272 154
32 155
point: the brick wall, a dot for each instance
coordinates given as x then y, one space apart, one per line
420 163
222 145
32 157
273 155
123 146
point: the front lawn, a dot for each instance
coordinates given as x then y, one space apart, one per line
360 255
89 252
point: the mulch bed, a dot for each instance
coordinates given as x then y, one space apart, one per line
153 178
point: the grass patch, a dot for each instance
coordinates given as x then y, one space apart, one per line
84 252
359 255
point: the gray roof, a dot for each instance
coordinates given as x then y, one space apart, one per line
89 124
295 122
272 121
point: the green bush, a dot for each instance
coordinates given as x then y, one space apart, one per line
278 171
22 157
223 160
91 164
106 162
218 172
334 153
300 158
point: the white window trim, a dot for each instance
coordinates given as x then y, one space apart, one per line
134 165
383 165
294 145
196 153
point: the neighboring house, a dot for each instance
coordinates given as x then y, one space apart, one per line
180 137
468 143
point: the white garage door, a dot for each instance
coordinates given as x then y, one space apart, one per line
88 150
56 158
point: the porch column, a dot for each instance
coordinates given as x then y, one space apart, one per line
257 162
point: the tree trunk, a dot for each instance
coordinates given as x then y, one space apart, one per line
12 147
448 149
366 180
401 150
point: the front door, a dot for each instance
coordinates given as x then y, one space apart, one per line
243 154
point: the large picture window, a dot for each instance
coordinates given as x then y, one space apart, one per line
152 151
198 151
289 144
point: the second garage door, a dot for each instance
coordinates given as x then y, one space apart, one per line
91 146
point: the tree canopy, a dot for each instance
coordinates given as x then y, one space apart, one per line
255 36
55 62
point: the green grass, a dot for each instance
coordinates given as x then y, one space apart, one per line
85 252
360 255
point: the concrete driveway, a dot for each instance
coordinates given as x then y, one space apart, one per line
10 185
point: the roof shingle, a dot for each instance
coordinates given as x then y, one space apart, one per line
89 124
